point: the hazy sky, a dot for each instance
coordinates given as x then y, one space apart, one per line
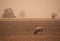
32 8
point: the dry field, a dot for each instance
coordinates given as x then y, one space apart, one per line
23 30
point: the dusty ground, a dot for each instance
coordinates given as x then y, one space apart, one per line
23 31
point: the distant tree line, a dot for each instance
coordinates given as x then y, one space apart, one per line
8 13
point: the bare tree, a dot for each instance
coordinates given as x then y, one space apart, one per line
8 13
53 15
22 14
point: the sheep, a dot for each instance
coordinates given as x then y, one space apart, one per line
38 29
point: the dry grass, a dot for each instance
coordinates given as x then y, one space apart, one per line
23 31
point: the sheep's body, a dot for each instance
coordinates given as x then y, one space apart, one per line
38 29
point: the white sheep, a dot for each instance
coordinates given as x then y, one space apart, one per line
38 29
